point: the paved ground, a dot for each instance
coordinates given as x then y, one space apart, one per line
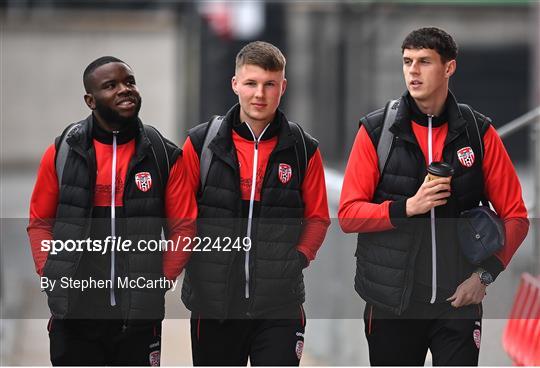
334 333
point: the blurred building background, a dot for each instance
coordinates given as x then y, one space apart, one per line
343 60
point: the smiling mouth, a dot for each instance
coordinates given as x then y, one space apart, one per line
127 103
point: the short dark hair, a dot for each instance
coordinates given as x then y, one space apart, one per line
432 38
262 54
96 64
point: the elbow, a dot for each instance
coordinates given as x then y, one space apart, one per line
346 225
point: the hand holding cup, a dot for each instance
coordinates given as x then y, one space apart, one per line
433 192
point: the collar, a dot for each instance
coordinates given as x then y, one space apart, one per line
420 118
81 137
125 135
402 125
243 130
222 144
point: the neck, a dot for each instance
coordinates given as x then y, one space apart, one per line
257 126
433 106
108 126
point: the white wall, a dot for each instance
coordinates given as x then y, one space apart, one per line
43 56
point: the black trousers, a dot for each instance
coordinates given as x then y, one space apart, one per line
451 334
87 342
265 342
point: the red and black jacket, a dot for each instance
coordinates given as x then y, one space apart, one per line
394 253
284 213
81 207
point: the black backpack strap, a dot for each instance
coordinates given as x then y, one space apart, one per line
206 154
62 150
161 155
300 148
384 146
475 137
473 131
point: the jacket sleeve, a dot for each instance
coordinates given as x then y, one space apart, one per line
357 213
191 163
316 217
503 190
43 208
181 212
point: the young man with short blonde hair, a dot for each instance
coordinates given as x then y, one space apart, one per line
263 184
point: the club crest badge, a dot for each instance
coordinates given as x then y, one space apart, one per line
143 181
284 173
299 349
155 358
466 156
477 337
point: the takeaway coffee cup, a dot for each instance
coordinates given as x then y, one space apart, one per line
439 169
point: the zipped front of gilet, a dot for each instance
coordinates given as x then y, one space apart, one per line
113 217
256 141
432 220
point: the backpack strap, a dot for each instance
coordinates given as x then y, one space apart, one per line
62 151
300 149
161 155
473 131
206 154
384 146
475 138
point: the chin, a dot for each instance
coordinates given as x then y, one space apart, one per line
259 117
418 95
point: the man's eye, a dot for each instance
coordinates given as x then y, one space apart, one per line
250 83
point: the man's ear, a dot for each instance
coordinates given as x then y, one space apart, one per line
234 84
450 68
90 101
283 86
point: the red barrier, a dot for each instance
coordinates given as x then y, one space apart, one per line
521 337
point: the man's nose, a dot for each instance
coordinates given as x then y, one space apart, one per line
414 68
259 91
124 88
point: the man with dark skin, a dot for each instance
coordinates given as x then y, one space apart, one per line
120 179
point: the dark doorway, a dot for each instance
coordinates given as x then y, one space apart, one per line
495 81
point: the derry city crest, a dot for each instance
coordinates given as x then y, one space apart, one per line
466 156
143 181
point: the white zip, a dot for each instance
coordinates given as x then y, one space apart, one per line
252 200
432 221
113 218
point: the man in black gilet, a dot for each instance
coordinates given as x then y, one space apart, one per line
421 291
